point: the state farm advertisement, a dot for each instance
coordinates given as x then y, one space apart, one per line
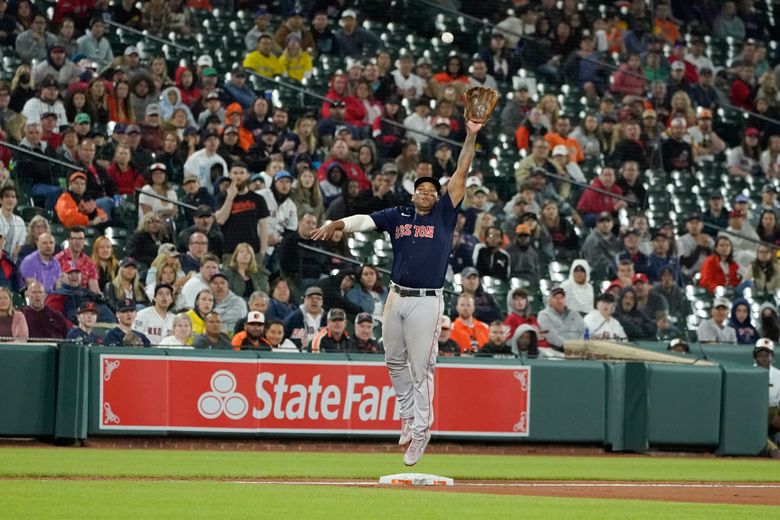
194 394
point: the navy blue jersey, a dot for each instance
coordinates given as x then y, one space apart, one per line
421 243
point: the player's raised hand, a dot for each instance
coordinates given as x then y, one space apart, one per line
326 232
473 127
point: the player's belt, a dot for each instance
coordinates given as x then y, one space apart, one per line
416 293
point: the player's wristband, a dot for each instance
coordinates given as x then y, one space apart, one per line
358 223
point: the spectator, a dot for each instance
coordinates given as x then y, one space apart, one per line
334 337
12 226
205 223
745 160
209 266
369 294
40 266
728 24
632 253
94 46
485 307
651 304
125 285
325 41
764 272
523 256
579 291
705 142
197 247
280 305
496 343
243 274
518 311
39 171
122 172
662 257
467 331
33 43
354 41
147 239
679 306
82 333
717 329
43 322
75 207
490 259
230 307
593 203
447 346
123 334
561 231
258 301
601 245
295 61
363 339
629 79
213 337
301 266
252 335
302 325
740 322
601 323
242 213
636 324
182 333
262 60
763 354
284 216
743 238
74 253
677 154
557 322
156 322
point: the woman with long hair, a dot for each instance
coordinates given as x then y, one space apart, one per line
408 159
719 269
387 136
366 157
608 135
243 274
455 73
363 107
560 230
126 285
273 336
281 303
13 324
204 304
306 195
745 160
158 185
168 274
764 272
106 262
75 103
146 240
551 111
182 333
369 293
22 88
122 172
681 106
143 92
188 87
171 157
118 103
97 101
767 228
159 71
305 127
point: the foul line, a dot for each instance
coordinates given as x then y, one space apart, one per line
525 485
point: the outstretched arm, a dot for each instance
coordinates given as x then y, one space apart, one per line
347 224
456 187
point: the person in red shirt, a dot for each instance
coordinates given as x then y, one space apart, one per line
74 254
713 274
467 331
593 202
126 178
339 154
741 91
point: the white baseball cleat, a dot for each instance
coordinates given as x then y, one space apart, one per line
406 431
416 449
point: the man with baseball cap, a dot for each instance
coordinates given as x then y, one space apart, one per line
87 317
76 207
334 337
251 338
717 329
363 340
47 100
123 334
58 66
354 41
601 245
705 142
307 320
447 346
764 354
557 322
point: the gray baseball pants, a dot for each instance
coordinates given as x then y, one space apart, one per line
410 333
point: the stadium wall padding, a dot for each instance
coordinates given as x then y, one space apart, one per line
51 392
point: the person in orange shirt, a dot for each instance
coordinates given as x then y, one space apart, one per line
561 137
77 208
664 26
467 331
251 338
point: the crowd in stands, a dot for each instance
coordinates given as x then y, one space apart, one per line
185 220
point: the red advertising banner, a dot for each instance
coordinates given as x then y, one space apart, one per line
177 393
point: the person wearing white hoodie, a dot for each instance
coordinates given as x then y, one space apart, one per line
600 322
579 291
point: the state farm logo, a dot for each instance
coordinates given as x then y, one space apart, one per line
223 398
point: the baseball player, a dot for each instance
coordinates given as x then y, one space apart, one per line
421 237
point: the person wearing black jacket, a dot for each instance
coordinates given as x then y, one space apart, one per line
334 291
300 265
632 187
630 148
36 171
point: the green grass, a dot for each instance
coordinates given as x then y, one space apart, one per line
171 500
90 462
